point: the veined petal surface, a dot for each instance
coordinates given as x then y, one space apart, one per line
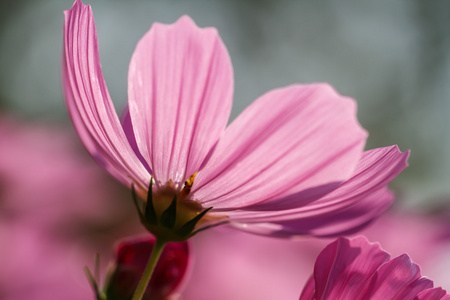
433 294
399 278
180 87
343 267
375 169
342 221
89 103
302 138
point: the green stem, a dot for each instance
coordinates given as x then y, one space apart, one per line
145 279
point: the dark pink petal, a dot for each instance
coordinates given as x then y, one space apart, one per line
131 258
309 290
399 278
433 294
342 221
302 139
180 94
344 266
89 103
374 170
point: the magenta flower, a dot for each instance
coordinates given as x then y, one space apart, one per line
357 269
292 160
132 256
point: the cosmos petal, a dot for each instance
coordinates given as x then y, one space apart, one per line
308 292
399 278
374 170
89 103
433 294
299 138
129 133
180 86
342 268
338 222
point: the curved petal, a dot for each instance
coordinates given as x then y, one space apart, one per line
334 223
399 278
180 87
433 294
302 138
343 267
374 170
129 133
89 102
309 290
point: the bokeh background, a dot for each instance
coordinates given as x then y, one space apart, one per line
393 57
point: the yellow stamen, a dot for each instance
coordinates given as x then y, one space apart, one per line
187 186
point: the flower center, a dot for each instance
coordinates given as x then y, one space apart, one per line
169 214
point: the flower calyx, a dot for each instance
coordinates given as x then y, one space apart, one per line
168 214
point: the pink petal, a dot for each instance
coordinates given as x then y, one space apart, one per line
309 290
89 103
301 139
180 95
433 294
129 133
399 278
343 267
333 223
374 170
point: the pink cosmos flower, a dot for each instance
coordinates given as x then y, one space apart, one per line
356 269
291 161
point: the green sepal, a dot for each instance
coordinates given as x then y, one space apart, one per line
169 216
150 213
187 228
94 284
94 279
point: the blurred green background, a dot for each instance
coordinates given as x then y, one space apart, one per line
393 57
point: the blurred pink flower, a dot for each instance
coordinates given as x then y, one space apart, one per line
55 211
131 258
292 160
356 269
